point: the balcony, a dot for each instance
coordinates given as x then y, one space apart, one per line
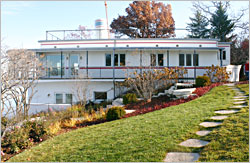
62 35
107 72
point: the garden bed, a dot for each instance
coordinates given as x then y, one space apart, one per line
140 108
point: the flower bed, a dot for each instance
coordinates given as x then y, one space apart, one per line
163 104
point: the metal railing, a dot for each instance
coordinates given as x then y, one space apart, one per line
108 72
114 34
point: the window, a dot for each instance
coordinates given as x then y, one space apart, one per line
108 59
55 64
188 60
116 59
156 60
100 95
68 98
196 60
59 98
160 59
224 55
122 60
152 60
181 60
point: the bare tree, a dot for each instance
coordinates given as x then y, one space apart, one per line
23 72
80 90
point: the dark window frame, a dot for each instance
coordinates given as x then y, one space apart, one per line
195 62
188 63
160 60
108 60
224 54
100 97
59 99
182 55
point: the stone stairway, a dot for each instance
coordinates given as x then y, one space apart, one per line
191 157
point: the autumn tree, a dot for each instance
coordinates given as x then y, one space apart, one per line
198 26
146 19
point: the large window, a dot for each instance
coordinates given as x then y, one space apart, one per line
181 60
100 95
156 60
68 98
120 60
153 60
74 64
108 59
55 65
188 60
224 55
59 98
160 59
195 59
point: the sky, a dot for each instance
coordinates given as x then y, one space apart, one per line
23 23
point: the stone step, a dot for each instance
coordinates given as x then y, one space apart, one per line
237 106
239 102
218 117
194 143
181 157
239 99
210 124
226 111
240 96
203 132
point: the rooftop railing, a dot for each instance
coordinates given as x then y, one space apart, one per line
115 34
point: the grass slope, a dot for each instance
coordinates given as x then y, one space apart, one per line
230 143
141 138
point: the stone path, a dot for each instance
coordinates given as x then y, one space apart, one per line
194 143
191 157
203 132
210 124
218 117
239 102
181 157
237 106
226 111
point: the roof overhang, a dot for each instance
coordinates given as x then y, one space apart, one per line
123 48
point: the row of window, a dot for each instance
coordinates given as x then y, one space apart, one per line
156 60
65 98
188 59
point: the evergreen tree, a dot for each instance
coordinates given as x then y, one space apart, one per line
198 26
222 26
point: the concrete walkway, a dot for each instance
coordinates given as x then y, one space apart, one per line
196 143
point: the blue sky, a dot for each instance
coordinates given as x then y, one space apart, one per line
23 23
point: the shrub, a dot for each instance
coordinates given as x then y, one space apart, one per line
37 130
53 128
201 81
129 98
217 73
16 140
115 113
69 122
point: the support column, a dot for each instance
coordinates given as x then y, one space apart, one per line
140 61
61 63
168 58
194 66
220 57
87 63
113 63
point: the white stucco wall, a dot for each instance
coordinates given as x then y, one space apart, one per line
69 87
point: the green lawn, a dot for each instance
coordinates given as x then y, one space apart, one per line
230 142
141 138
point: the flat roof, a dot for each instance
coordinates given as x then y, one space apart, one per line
123 48
205 39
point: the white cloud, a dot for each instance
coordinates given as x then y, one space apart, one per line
14 7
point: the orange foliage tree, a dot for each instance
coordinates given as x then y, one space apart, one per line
146 19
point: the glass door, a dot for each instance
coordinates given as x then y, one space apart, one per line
74 65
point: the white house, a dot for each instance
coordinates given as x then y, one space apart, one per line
104 62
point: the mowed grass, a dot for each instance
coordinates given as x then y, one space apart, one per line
230 143
141 138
